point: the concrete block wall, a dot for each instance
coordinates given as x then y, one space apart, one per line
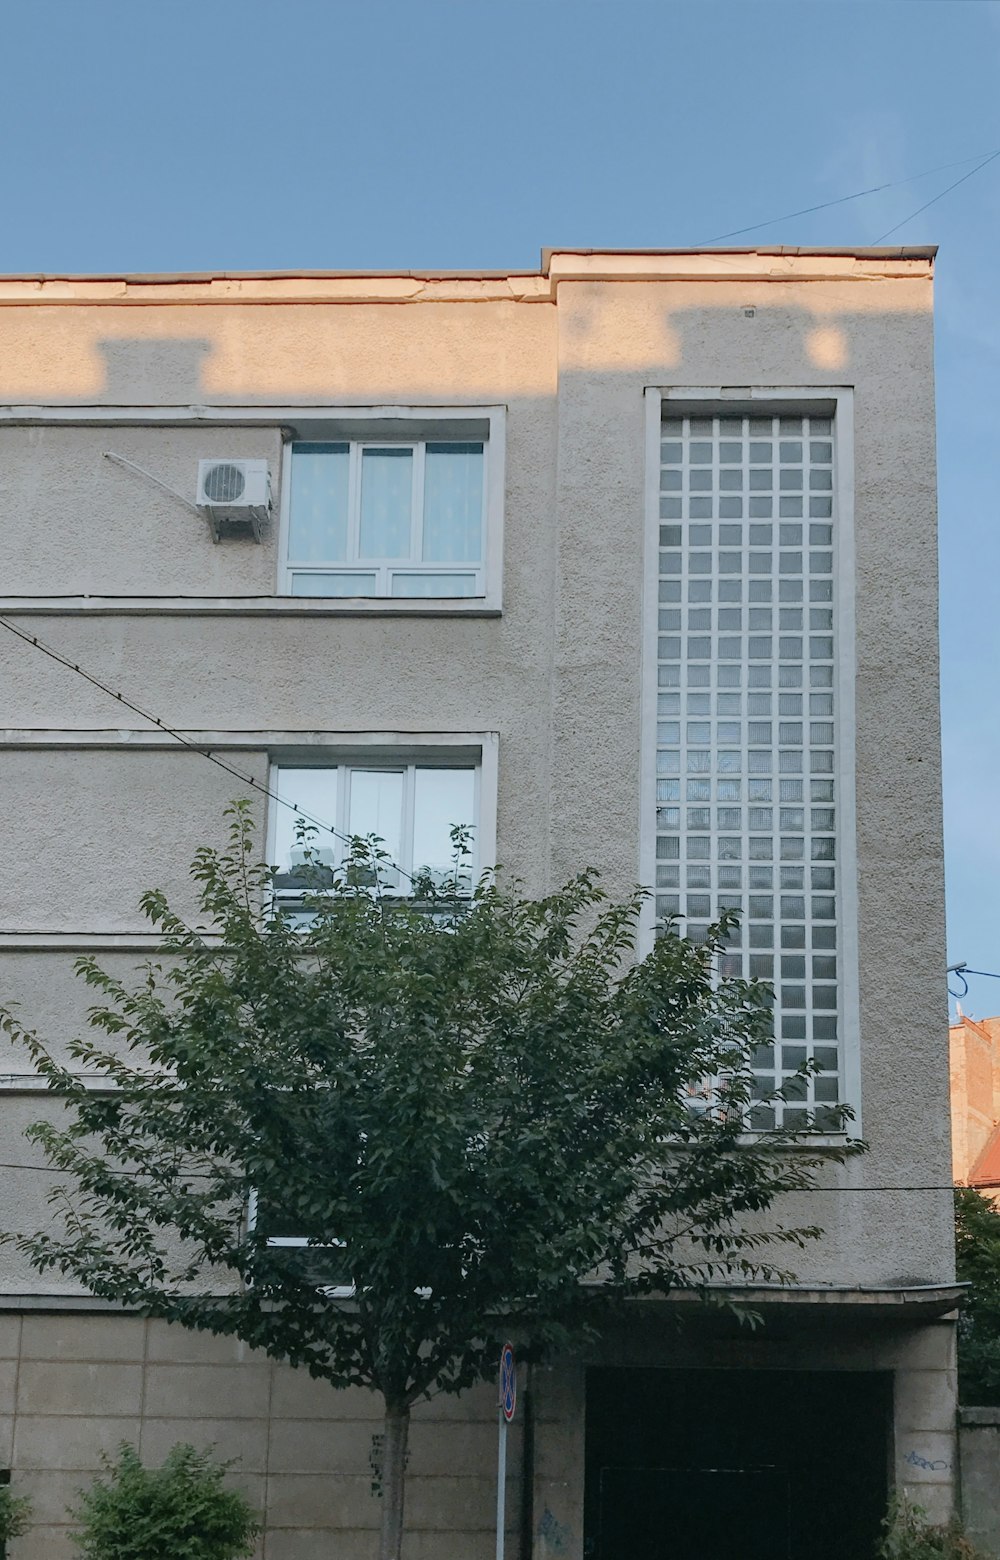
74 1385
979 1453
925 1391
920 1359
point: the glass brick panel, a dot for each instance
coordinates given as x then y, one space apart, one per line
760 621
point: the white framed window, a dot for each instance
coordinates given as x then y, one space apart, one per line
398 505
748 712
324 1264
410 792
410 804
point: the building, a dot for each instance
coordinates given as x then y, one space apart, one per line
974 1054
635 557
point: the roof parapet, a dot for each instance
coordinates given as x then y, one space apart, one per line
779 263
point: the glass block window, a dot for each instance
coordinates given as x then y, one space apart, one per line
375 519
746 804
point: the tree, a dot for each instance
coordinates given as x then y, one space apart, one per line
977 1260
481 1112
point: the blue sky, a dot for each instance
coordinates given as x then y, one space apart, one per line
238 134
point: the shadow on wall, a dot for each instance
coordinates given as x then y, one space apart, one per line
726 332
157 370
146 371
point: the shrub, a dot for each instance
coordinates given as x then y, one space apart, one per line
178 1512
909 1536
15 1514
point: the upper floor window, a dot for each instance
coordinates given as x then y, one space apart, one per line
410 807
398 518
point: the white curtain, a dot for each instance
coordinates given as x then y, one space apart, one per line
318 509
453 503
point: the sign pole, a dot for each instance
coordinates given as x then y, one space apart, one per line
501 1483
507 1402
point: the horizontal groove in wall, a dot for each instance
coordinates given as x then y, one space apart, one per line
249 740
58 940
242 606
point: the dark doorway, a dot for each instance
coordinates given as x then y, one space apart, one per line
735 1465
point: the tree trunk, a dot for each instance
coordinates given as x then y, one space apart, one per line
397 1429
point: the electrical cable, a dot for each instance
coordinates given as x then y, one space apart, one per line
205 752
204 1175
962 970
194 747
843 199
936 198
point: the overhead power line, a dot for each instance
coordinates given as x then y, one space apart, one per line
875 189
992 156
962 970
822 1191
194 747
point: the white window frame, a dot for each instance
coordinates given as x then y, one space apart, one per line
298 1243
406 752
717 401
479 750
385 569
399 427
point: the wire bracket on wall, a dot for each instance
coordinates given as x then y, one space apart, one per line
962 970
131 465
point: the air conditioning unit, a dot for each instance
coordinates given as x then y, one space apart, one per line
235 494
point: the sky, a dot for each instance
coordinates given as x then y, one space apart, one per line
376 134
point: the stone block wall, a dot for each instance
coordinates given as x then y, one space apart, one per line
74 1385
979 1455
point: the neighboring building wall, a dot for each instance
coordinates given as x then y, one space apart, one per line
974 1052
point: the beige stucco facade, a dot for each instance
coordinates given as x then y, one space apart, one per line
122 579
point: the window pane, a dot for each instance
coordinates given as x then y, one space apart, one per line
453 503
315 791
434 585
386 502
443 797
333 585
376 807
317 531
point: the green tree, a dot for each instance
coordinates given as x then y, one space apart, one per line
977 1259
486 1115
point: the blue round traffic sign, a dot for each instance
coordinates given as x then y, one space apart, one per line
508 1382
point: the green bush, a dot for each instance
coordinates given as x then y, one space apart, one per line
909 1536
178 1512
15 1514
